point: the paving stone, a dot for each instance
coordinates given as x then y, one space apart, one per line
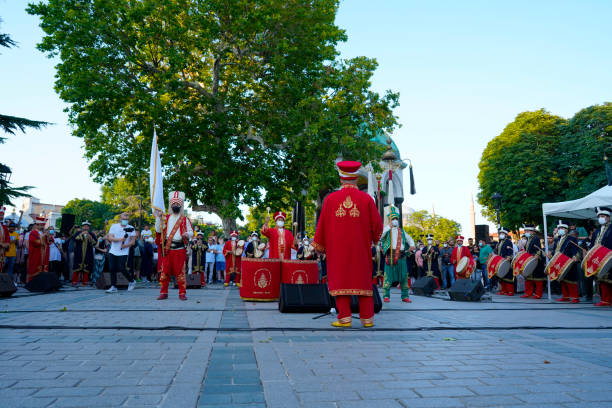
594 395
69 392
432 403
443 392
86 402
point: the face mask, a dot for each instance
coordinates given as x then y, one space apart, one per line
124 222
176 210
52 232
459 244
561 232
445 245
528 234
233 238
421 247
280 223
502 236
481 244
430 241
602 220
395 223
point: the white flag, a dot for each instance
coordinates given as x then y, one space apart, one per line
156 181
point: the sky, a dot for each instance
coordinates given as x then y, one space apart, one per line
464 70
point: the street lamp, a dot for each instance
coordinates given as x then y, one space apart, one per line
497 199
5 174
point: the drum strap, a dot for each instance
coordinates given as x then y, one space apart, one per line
177 225
601 234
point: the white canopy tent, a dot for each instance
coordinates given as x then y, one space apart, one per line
584 208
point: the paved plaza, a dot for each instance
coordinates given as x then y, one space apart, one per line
86 348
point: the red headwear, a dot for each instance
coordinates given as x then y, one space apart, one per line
40 220
177 197
279 214
2 210
348 170
234 233
459 238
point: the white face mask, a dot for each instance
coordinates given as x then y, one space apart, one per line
502 236
602 220
395 223
430 241
528 234
233 238
280 223
445 245
561 232
459 244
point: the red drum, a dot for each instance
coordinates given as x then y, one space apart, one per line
524 264
498 265
465 267
559 266
260 280
294 271
597 262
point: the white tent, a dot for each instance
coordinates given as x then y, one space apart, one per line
583 208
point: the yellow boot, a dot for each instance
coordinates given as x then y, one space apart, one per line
344 322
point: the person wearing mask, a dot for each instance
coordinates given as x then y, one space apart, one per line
10 255
458 253
100 251
568 246
505 249
55 253
430 254
38 249
175 233
220 260
121 236
280 239
232 260
534 284
83 254
5 240
603 236
395 244
198 257
210 260
147 258
447 267
483 257
304 252
253 241
137 250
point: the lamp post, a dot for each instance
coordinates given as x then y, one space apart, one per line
5 177
497 199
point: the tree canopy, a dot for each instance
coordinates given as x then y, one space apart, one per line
249 98
88 210
421 223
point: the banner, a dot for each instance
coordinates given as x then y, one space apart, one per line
156 182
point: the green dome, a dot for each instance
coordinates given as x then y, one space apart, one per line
379 137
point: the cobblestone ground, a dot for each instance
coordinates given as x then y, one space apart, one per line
86 348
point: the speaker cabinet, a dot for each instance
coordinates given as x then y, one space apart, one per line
466 290
424 286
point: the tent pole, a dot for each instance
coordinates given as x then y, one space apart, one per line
546 254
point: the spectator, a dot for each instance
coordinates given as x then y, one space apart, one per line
146 266
100 253
447 267
483 257
418 256
122 237
55 253
11 253
220 260
209 267
146 232
138 249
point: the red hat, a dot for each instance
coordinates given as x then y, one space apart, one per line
177 197
2 210
234 233
279 214
459 238
40 220
348 170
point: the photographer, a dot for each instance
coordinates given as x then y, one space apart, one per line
122 237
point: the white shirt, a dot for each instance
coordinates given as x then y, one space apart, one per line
172 219
54 253
117 231
146 234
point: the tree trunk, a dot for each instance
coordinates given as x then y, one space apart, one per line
229 224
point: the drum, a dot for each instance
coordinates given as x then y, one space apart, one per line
260 280
293 271
259 251
524 264
597 262
559 266
498 265
239 248
465 267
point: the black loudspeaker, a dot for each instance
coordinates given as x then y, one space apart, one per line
466 290
7 287
424 286
355 301
304 298
104 281
67 223
44 282
193 281
482 232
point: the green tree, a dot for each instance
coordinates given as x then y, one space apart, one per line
93 211
247 96
522 164
125 196
10 124
588 136
421 223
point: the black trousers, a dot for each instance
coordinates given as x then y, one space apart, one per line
118 264
56 268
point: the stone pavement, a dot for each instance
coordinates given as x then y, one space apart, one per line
86 348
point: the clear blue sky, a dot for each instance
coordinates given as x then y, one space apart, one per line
463 69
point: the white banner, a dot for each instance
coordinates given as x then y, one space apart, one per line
156 181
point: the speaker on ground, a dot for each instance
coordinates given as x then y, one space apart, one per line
193 281
424 286
44 282
7 287
466 290
304 298
104 281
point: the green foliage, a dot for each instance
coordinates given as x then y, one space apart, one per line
247 96
8 193
522 164
126 196
421 223
257 215
93 211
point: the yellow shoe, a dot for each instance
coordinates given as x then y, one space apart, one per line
367 322
337 323
225 284
238 284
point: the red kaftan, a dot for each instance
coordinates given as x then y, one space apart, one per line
280 242
348 225
38 255
232 261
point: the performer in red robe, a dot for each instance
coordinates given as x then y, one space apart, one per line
232 260
5 239
348 225
459 252
38 249
280 239
176 231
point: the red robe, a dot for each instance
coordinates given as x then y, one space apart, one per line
232 261
348 225
38 255
279 243
456 256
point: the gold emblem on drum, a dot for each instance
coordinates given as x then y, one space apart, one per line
300 280
262 278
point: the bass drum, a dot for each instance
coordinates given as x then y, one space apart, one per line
465 267
239 248
559 266
598 261
524 264
498 266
